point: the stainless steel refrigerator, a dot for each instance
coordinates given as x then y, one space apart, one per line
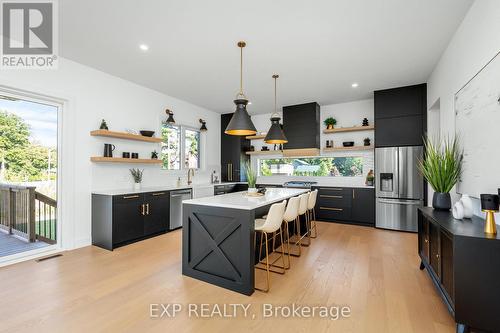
399 188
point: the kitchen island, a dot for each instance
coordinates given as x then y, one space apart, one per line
218 237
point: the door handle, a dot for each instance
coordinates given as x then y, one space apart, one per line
353 194
407 203
328 208
147 209
142 210
130 197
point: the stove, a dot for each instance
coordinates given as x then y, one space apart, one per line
299 184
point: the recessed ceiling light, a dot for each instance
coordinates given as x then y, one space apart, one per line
354 85
144 47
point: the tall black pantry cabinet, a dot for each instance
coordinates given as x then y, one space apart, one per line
233 157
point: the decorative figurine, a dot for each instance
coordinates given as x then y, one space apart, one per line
367 142
365 122
154 155
104 126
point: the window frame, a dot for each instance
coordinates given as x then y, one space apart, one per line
182 146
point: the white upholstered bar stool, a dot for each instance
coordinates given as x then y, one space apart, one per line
304 198
291 214
311 203
265 227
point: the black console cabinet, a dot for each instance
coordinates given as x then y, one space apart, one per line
122 219
464 265
346 205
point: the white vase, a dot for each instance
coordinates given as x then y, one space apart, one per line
467 204
252 190
137 186
458 210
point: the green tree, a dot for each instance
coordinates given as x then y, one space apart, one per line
25 161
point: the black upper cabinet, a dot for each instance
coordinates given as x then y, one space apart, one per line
233 157
400 102
400 116
400 131
301 125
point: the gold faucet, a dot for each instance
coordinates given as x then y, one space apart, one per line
190 174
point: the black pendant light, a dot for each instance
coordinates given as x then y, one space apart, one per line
240 123
170 119
203 127
275 135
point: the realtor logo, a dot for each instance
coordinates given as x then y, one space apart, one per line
29 34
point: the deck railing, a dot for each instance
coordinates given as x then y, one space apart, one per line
27 213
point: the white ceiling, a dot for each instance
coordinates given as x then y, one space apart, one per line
319 48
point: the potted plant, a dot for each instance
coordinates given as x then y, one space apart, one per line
251 178
367 141
370 177
330 122
137 175
442 167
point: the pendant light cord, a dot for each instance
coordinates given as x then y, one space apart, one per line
275 114
241 45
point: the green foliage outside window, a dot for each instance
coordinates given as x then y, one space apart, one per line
313 166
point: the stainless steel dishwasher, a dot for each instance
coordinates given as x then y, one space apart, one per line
176 198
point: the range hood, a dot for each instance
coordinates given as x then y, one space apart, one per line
302 129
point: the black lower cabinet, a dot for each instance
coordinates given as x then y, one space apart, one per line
157 212
346 205
464 265
122 219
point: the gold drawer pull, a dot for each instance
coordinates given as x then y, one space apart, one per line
335 209
160 193
331 188
331 196
131 197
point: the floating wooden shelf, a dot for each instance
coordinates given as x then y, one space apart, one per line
349 129
100 159
255 137
347 148
124 135
267 152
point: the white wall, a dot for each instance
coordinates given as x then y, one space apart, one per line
89 96
347 115
476 41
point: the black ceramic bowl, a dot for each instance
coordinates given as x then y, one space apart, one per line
348 143
147 133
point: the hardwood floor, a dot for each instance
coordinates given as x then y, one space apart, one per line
375 272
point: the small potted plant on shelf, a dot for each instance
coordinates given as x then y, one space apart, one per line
330 122
251 178
367 141
137 175
442 168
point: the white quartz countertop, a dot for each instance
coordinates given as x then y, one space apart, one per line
145 189
239 200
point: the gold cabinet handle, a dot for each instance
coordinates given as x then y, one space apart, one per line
147 209
335 209
331 196
160 193
331 188
130 197
142 210
353 194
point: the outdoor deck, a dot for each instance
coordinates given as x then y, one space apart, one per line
10 244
